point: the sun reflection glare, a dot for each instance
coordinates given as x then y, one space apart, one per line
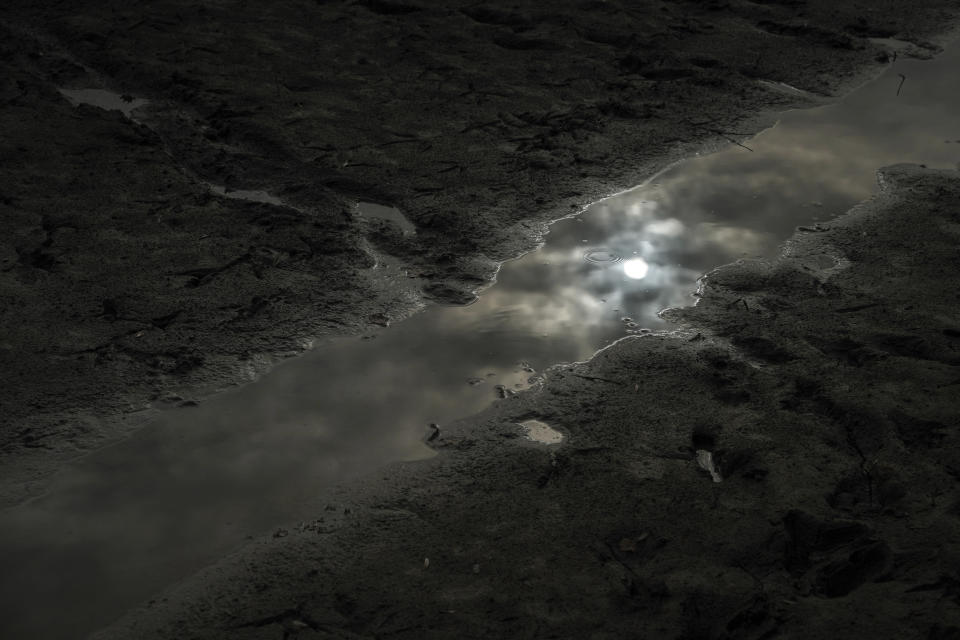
636 268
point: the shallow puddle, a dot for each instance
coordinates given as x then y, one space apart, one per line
378 211
103 99
246 194
124 522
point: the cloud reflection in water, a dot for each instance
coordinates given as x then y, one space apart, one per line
130 519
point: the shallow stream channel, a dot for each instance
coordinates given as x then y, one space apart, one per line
119 525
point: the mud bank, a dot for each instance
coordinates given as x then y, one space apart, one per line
128 285
782 464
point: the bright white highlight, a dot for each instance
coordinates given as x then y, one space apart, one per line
636 268
541 432
670 227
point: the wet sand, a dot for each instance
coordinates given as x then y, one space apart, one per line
821 387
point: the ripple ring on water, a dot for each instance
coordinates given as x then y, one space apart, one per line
601 256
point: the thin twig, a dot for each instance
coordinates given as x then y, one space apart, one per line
859 307
724 135
903 79
739 300
579 375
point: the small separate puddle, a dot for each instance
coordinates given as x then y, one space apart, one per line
124 522
103 99
246 194
371 210
541 432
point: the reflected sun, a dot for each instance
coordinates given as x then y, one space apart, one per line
636 268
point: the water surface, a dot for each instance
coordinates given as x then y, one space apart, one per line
107 100
124 522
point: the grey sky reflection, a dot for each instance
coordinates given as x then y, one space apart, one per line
124 522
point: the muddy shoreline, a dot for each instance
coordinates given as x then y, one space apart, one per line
832 508
128 287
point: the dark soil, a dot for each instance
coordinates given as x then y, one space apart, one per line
826 396
822 384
